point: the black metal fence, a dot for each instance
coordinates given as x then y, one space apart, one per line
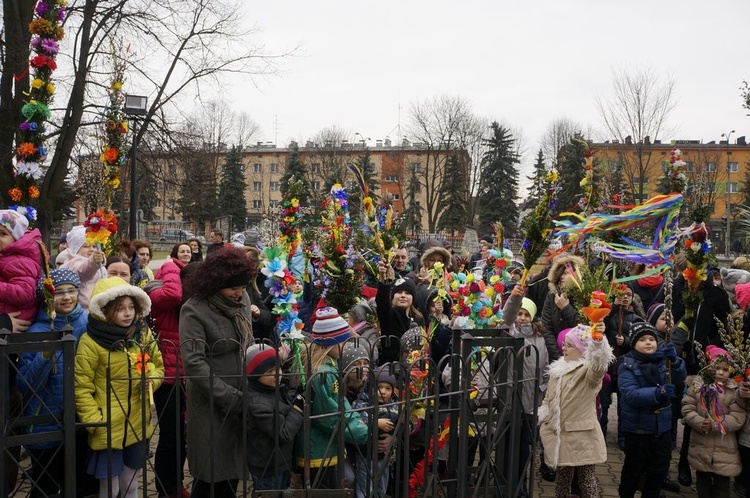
461 427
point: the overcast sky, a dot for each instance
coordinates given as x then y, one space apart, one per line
523 63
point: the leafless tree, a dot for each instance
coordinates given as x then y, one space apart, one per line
326 162
636 113
440 124
176 46
557 136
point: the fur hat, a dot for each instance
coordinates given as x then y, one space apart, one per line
654 312
383 374
259 359
529 305
732 278
556 271
76 238
444 254
404 284
14 222
108 289
329 328
61 258
639 329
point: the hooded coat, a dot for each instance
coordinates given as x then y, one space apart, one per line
165 310
554 319
20 270
569 427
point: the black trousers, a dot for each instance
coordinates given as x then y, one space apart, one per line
171 451
647 454
710 485
222 489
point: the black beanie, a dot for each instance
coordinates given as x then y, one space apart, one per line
404 284
639 329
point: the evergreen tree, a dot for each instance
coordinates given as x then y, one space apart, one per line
535 191
453 197
498 188
231 202
297 169
571 169
412 215
198 200
147 194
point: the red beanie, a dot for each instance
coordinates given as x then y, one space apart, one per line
742 292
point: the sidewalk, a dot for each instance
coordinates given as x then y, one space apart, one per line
609 473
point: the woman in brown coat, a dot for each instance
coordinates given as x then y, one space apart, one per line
569 427
713 452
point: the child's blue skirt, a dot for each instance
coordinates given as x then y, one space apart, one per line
98 464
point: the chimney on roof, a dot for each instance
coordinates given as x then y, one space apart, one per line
741 140
260 144
647 140
387 142
628 140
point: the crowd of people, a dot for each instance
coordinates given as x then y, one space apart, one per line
197 339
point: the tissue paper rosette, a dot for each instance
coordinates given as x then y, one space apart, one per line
538 226
338 264
473 307
676 172
100 225
495 271
597 309
697 246
46 31
140 355
589 199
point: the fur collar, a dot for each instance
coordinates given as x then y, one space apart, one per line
560 367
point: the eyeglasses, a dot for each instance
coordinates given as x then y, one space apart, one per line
63 293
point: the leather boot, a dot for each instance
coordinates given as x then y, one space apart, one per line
684 475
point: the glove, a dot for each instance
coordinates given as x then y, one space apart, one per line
299 401
669 390
670 352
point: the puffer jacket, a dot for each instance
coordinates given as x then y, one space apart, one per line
640 398
124 402
165 310
569 426
88 272
324 399
710 451
20 270
40 380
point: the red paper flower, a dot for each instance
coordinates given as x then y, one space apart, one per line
33 192
15 194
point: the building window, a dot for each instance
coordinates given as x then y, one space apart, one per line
274 168
257 168
315 167
710 167
733 167
274 186
273 204
733 189
416 167
256 186
257 204
391 178
396 197
689 166
316 186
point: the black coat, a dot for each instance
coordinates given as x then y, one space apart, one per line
269 414
393 324
554 321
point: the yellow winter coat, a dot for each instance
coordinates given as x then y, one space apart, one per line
126 402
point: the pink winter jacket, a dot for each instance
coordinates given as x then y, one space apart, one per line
20 270
88 272
165 310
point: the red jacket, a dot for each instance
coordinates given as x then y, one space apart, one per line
20 270
165 310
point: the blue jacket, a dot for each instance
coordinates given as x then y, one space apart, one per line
40 383
639 397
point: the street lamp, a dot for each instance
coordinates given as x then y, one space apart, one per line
364 140
135 105
727 239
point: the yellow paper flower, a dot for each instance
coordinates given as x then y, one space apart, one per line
50 88
117 85
37 83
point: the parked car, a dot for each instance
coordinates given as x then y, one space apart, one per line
175 235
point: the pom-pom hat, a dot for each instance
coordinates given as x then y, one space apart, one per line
14 222
260 358
742 292
329 328
654 312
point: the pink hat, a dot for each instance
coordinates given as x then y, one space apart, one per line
714 352
742 292
575 335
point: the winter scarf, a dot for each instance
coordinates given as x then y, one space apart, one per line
234 311
110 337
649 364
651 282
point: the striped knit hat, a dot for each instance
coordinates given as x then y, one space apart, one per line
329 328
260 359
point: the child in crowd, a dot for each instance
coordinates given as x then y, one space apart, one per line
86 261
374 475
711 409
520 312
270 415
569 427
320 364
396 309
40 380
20 265
116 342
646 411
